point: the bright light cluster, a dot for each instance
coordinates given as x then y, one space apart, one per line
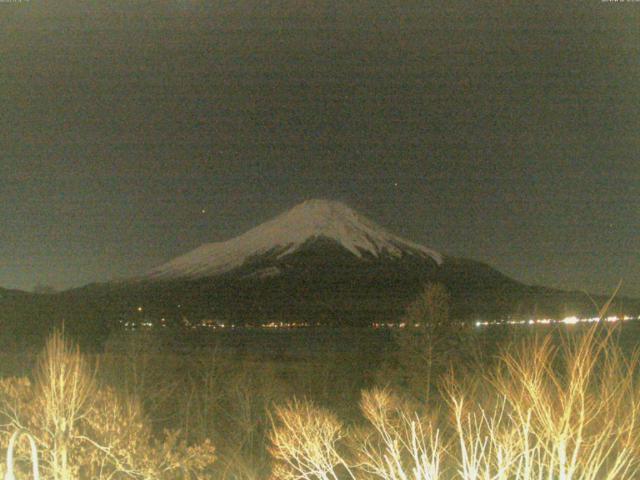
572 320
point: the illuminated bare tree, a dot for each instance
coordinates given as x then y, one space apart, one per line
431 342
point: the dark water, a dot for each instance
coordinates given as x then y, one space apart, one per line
293 344
319 342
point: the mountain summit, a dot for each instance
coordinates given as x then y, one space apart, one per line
289 233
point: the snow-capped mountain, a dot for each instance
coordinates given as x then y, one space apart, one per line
289 233
320 262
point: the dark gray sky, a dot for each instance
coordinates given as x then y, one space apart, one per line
507 132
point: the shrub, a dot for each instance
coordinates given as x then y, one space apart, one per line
83 431
306 443
565 412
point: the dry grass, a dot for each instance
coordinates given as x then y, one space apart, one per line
85 431
399 443
545 412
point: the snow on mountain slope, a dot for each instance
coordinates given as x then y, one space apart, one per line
286 233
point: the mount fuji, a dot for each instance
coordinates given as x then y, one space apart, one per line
323 261
319 262
301 229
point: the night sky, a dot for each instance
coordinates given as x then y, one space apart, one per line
507 132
